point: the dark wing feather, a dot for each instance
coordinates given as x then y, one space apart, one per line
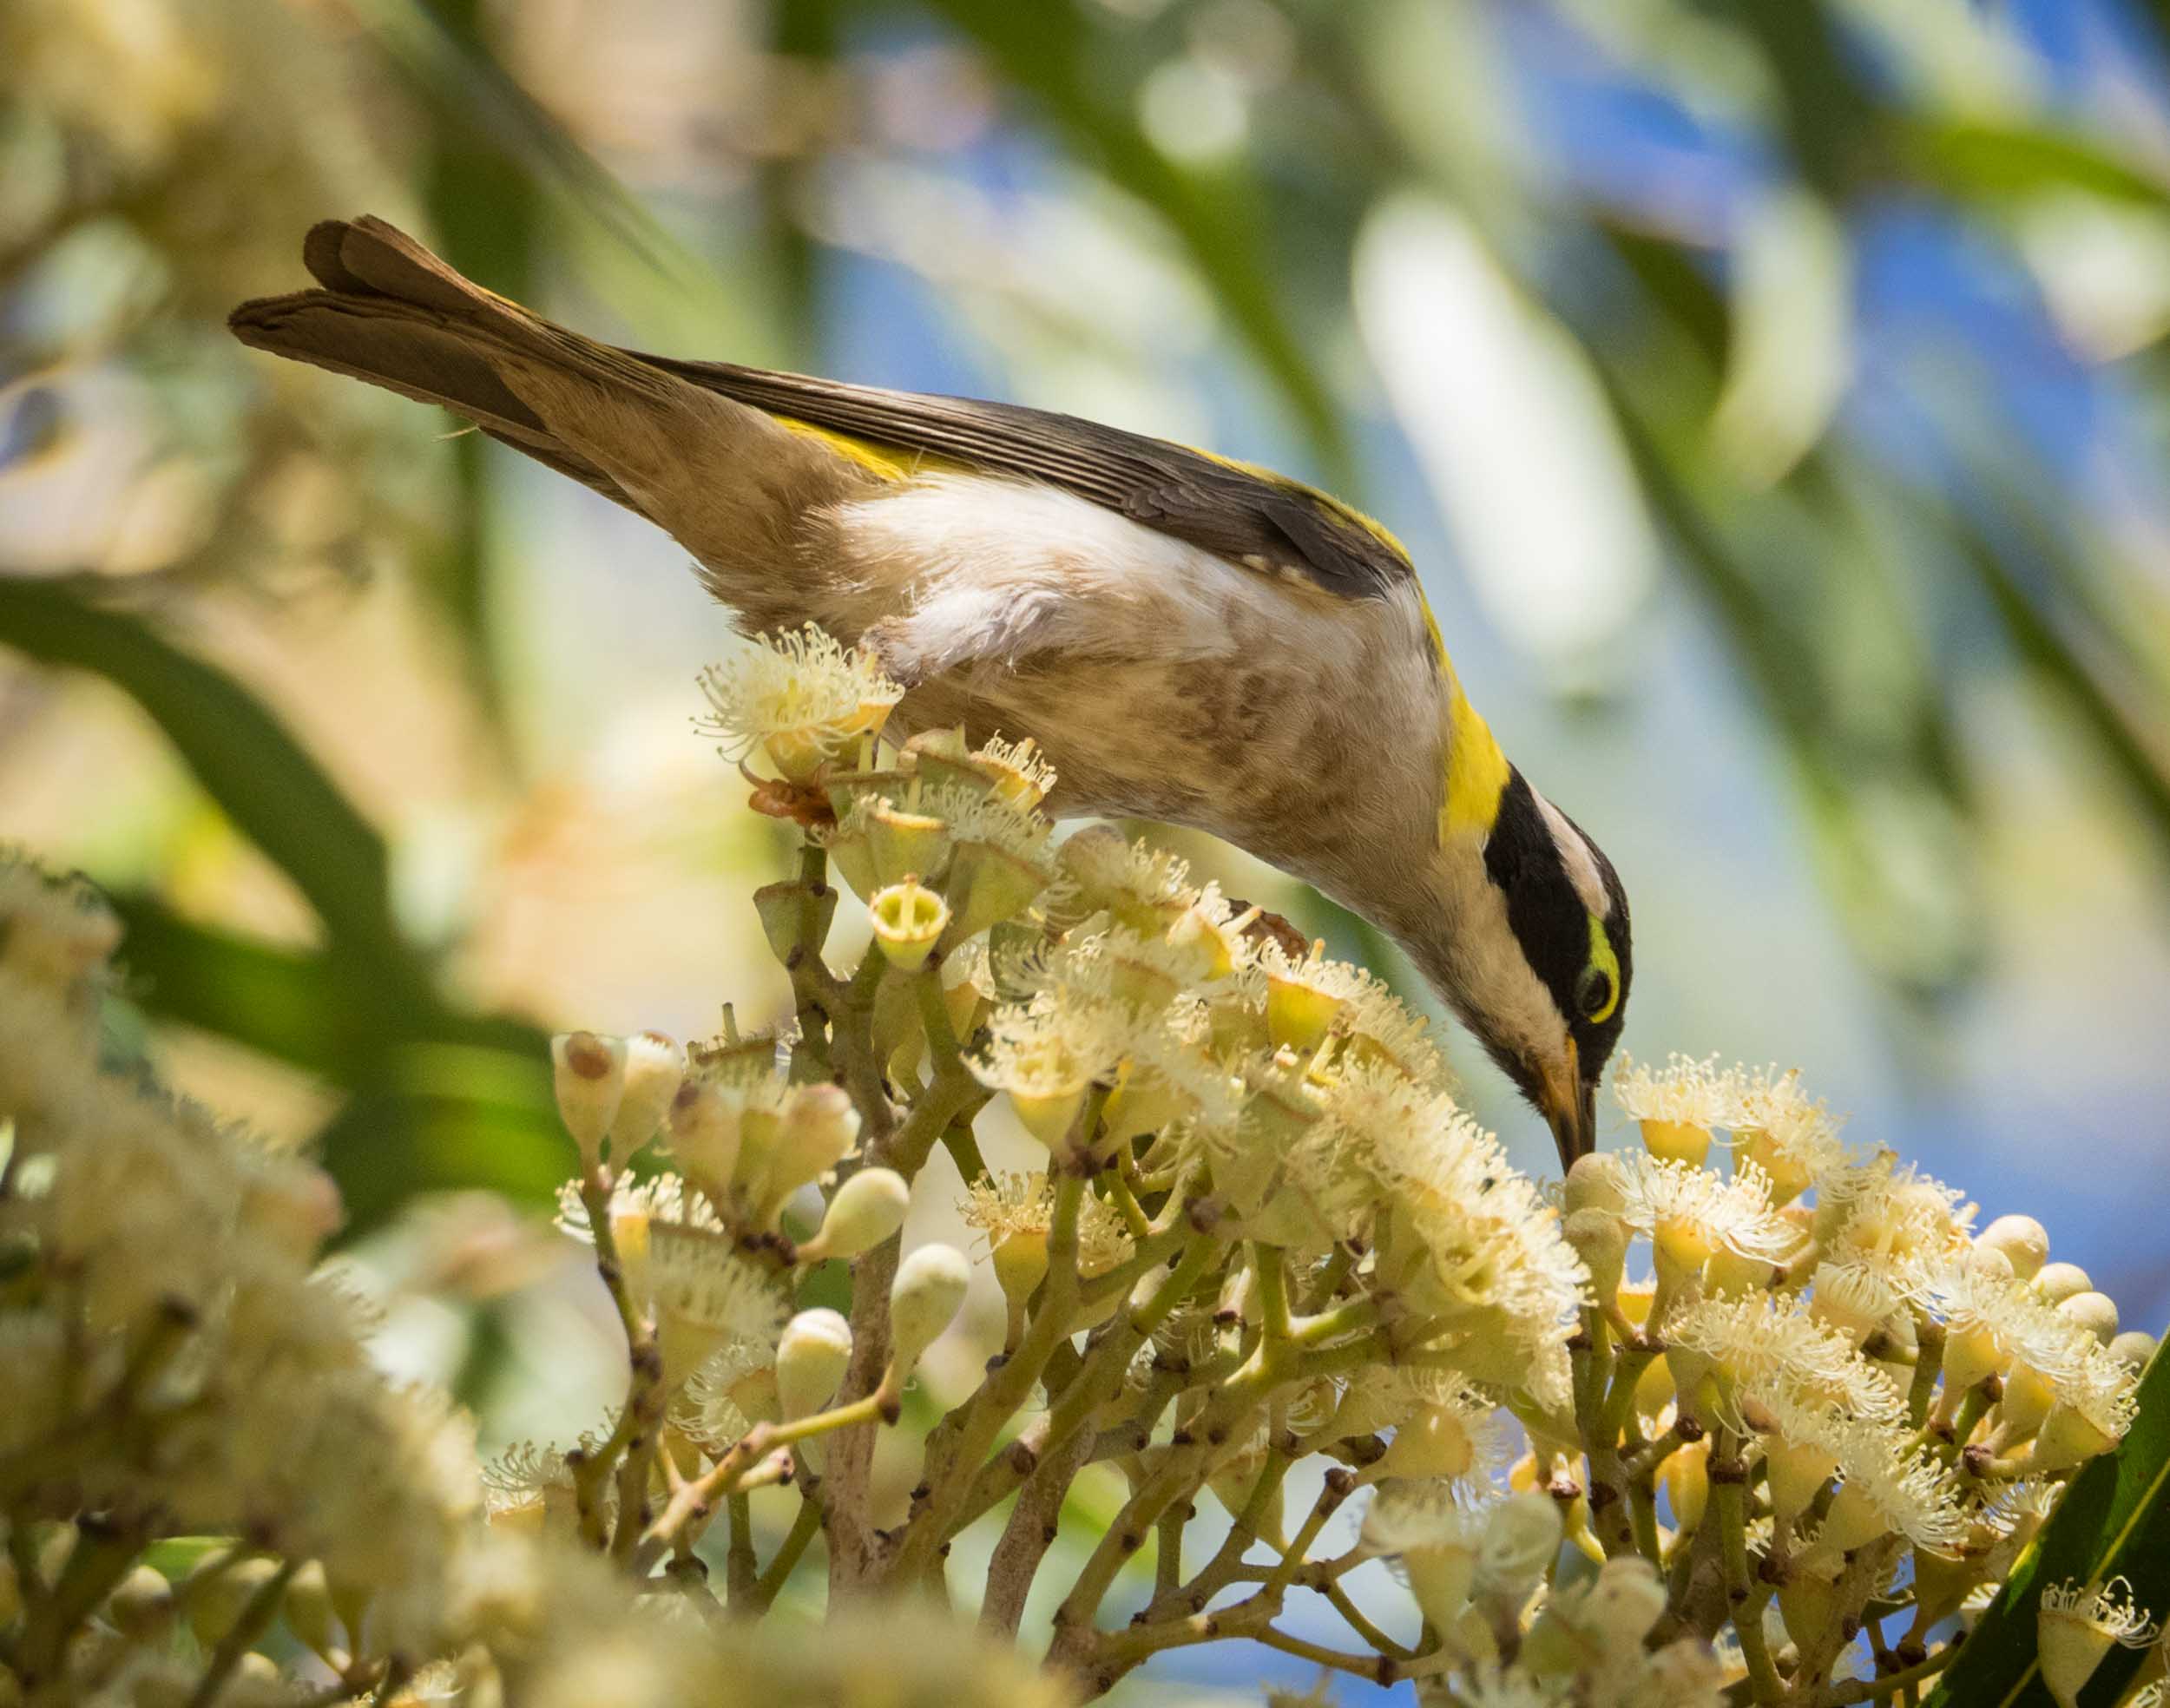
1261 521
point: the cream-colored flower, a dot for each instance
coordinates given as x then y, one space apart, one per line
1679 1105
1690 1213
1008 1206
1791 1137
801 697
1486 1243
1774 1347
2078 1625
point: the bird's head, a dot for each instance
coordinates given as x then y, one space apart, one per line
1533 951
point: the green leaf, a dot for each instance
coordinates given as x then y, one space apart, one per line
259 775
444 1117
1981 160
289 1004
2113 1521
436 46
1045 50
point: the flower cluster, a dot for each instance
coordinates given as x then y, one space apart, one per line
1911 1389
1665 1437
175 1366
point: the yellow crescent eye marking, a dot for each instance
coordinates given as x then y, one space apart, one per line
1606 961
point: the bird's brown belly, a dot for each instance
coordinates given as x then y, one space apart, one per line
1256 755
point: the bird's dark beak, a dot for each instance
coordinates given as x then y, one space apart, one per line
1570 1107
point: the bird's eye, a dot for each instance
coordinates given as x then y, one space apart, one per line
1593 992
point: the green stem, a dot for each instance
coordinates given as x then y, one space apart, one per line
765 1588
1728 1495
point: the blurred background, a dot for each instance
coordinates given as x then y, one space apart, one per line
1775 396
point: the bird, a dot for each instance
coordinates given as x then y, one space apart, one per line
1187 638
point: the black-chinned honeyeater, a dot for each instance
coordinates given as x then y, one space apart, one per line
1187 638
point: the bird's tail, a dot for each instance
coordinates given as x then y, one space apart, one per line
728 480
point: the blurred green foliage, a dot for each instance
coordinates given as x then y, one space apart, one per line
166 164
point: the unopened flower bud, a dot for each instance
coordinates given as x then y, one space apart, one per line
1595 1183
2095 1312
864 1211
1653 1388
587 1074
1600 1238
655 1067
1521 1539
811 1359
2023 1242
928 1292
908 919
2134 1348
705 1129
2058 1282
1623 1605
817 1129
141 1605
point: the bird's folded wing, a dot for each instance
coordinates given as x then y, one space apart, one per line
1251 516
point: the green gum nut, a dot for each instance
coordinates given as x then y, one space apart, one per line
848 788
852 854
992 885
1139 1104
1233 1028
904 844
784 909
1290 1219
908 919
